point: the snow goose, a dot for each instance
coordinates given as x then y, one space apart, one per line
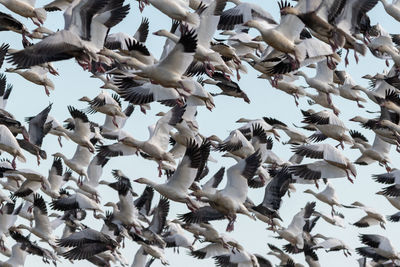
139 51
86 244
32 247
157 144
296 137
390 51
392 9
52 123
332 244
384 133
280 254
248 127
228 87
368 221
36 128
373 216
379 151
281 37
209 251
121 182
17 258
119 40
95 171
208 25
241 13
125 211
237 144
243 42
77 39
9 23
329 126
378 244
316 22
5 91
106 104
176 188
4 198
178 10
289 88
211 185
241 258
139 94
321 99
335 219
328 196
81 131
8 217
229 200
27 188
153 250
168 72
389 178
347 88
294 232
55 178
9 144
75 201
42 228
157 225
267 210
360 141
394 201
174 237
352 19
36 75
79 162
26 8
84 186
322 81
333 165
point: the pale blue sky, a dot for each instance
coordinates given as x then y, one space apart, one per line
28 99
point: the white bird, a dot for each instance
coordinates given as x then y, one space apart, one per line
294 232
230 200
176 188
76 39
9 144
26 8
333 165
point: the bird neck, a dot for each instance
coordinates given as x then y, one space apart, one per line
171 36
150 183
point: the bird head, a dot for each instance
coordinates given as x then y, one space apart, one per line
140 180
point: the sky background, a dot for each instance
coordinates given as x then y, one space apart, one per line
28 99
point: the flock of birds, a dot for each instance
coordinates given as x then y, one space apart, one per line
312 36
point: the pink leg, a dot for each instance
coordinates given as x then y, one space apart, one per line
13 163
46 91
114 122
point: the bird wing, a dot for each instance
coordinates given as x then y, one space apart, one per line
160 136
160 214
186 171
238 175
143 31
209 19
59 46
181 55
36 124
